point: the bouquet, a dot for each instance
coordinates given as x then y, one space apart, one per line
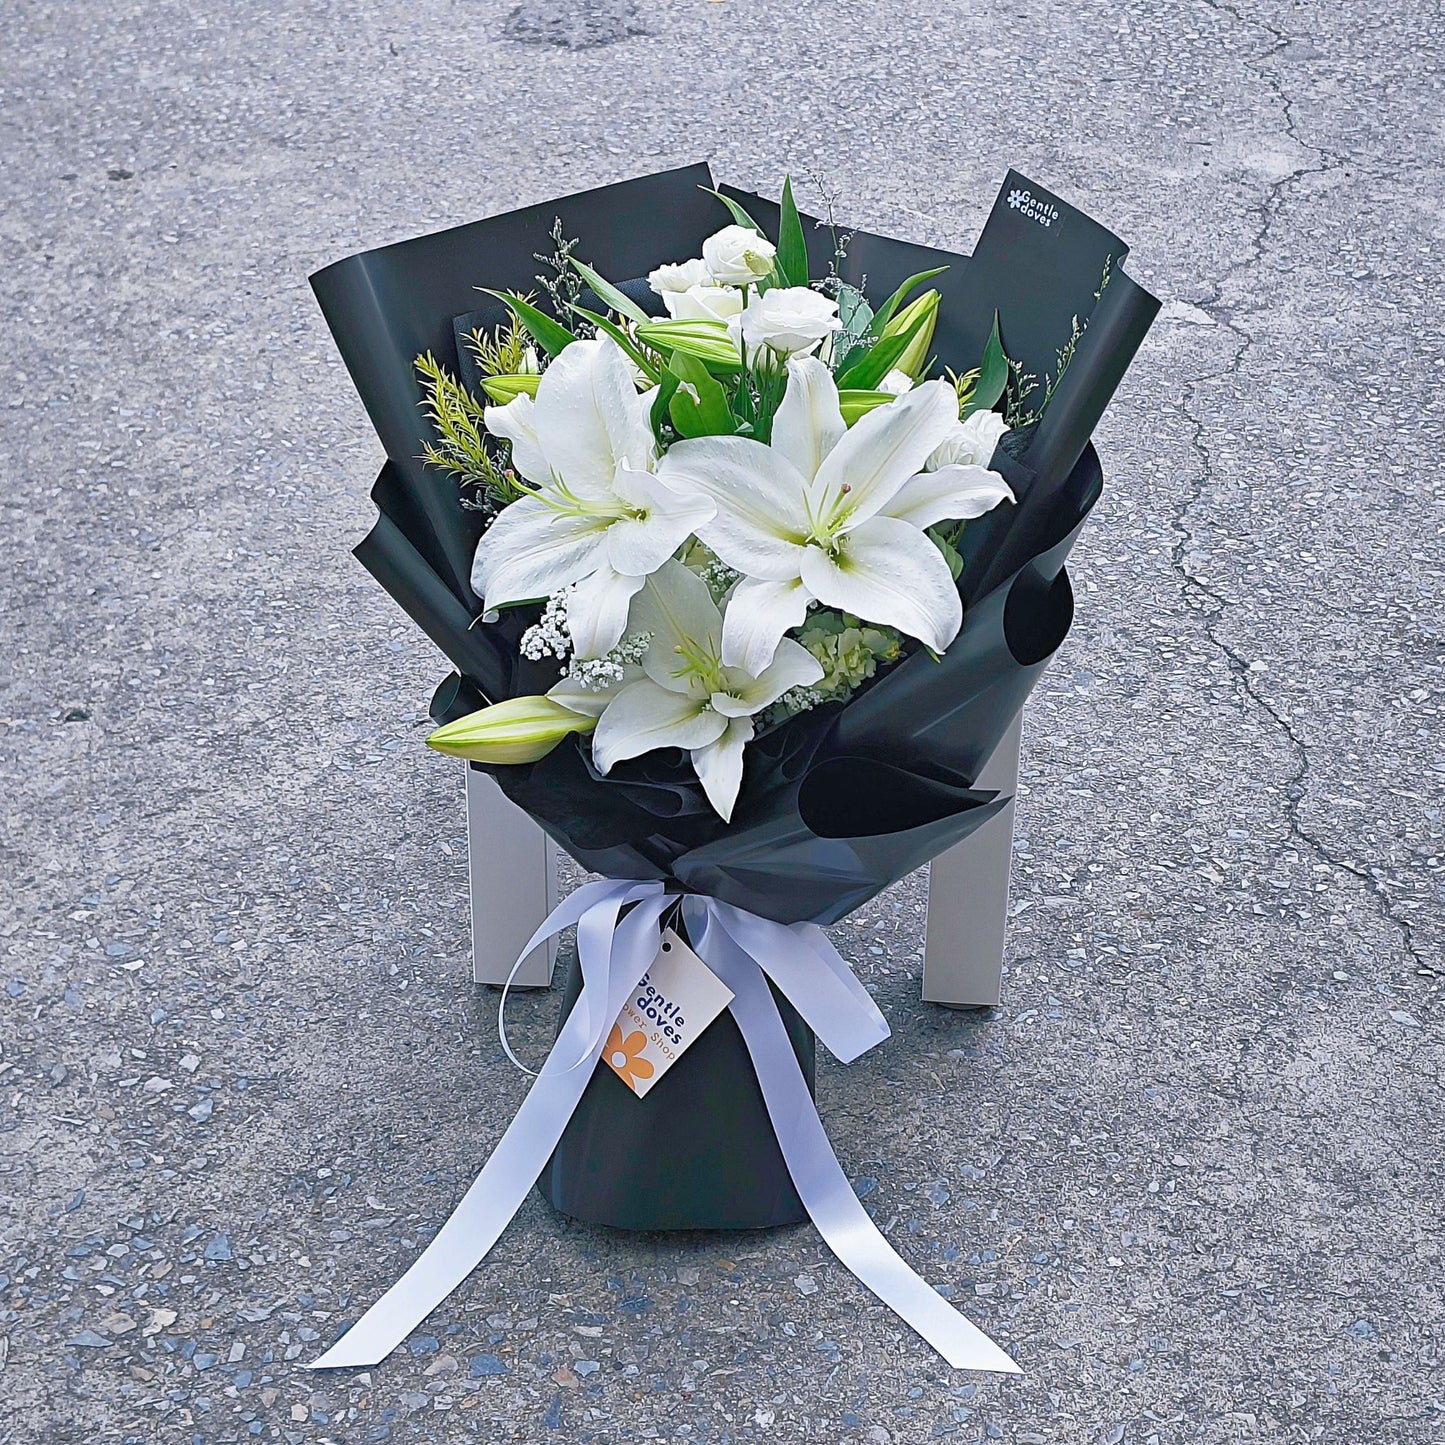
746 537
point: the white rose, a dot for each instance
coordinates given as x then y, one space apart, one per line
669 279
789 320
896 382
704 303
970 444
736 256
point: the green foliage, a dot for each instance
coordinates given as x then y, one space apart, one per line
608 294
849 650
644 362
461 445
993 375
950 552
883 356
792 262
699 405
503 353
964 385
738 214
882 317
549 334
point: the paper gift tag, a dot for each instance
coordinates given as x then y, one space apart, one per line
679 996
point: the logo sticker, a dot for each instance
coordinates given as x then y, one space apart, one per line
1026 203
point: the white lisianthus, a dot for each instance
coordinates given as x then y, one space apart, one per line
670 279
896 382
704 303
736 256
595 519
789 320
687 697
971 443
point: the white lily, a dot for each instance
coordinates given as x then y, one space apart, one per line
595 516
830 513
689 698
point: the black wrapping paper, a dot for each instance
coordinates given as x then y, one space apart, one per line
838 803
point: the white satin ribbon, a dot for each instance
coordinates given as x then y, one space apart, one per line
615 951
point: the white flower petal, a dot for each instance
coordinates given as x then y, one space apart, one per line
762 517
644 716
680 277
677 609
597 610
970 443
591 701
516 423
641 544
757 614
887 571
719 766
589 418
792 666
808 423
531 551
881 451
950 493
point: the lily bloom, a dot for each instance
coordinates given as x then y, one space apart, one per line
834 514
595 516
688 698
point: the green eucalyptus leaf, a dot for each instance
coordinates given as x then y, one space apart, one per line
550 335
950 552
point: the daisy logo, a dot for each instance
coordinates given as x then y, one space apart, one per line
1044 212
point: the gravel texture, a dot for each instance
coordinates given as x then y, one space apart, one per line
1190 1173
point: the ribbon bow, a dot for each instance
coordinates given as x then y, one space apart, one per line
615 950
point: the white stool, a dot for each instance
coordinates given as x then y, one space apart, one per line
513 871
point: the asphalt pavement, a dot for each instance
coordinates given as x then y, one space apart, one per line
1190 1172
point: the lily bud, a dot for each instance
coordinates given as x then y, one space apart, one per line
915 354
519 730
708 341
502 389
854 404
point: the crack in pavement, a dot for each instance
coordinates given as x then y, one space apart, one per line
1205 600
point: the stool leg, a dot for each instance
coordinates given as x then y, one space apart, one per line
512 868
968 897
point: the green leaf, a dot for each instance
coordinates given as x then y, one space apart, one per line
665 389
739 215
550 335
648 368
877 362
856 403
608 294
950 552
992 375
884 314
699 406
706 340
792 244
